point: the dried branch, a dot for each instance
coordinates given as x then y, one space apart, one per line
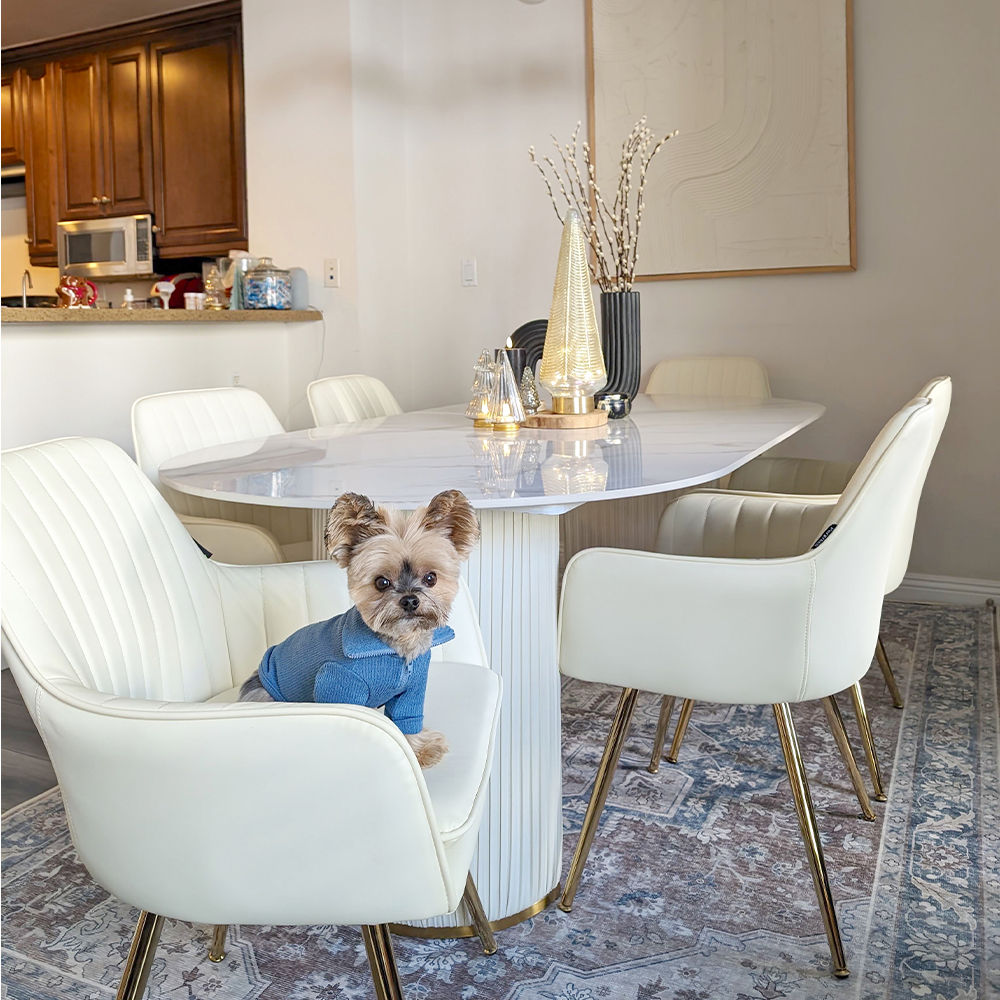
612 231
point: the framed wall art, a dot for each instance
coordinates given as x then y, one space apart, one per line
760 178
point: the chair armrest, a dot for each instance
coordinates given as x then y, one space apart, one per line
728 630
233 541
792 475
257 813
730 525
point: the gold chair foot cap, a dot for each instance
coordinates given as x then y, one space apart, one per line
653 770
490 951
564 907
841 973
881 798
867 819
900 705
671 760
216 958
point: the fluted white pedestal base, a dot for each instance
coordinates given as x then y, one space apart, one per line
513 577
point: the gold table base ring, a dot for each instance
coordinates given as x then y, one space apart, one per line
467 930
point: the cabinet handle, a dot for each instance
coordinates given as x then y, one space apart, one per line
95 200
156 229
105 200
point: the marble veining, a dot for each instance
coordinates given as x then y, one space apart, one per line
668 442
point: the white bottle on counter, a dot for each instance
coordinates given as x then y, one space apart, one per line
128 299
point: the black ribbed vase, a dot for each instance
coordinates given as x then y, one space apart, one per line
620 342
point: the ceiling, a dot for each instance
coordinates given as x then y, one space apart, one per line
23 21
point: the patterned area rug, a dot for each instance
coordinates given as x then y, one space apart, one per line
697 887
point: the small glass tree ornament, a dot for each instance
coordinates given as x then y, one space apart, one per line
529 391
482 389
506 408
572 367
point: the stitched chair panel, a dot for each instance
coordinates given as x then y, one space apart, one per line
343 399
710 376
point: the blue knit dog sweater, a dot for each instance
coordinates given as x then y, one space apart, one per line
342 660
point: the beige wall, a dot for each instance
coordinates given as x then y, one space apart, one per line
393 135
446 97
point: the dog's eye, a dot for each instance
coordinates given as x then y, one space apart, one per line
430 579
381 583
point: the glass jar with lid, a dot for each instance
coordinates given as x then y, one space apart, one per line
267 287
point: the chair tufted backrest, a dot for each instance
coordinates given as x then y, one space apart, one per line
937 393
101 583
342 399
173 423
710 376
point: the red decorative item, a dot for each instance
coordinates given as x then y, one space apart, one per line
73 293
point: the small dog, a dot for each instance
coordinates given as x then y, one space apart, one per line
402 574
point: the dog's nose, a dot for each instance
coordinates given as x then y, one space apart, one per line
409 602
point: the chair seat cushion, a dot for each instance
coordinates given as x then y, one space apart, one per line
461 703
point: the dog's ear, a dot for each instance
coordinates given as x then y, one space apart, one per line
352 520
452 515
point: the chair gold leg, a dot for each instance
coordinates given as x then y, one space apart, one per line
475 907
868 742
836 721
217 951
602 782
682 724
890 678
666 710
810 834
140 956
378 946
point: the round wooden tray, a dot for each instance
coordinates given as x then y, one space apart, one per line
548 420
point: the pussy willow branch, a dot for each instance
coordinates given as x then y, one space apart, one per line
612 231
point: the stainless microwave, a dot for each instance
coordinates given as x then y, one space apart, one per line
105 248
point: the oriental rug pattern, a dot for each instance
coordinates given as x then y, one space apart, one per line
697 887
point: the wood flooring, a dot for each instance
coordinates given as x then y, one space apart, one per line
25 770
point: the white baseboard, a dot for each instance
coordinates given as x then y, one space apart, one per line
923 588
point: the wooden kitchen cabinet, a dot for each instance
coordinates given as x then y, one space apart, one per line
39 139
143 117
103 134
11 135
198 140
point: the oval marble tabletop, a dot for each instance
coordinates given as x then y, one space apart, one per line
668 443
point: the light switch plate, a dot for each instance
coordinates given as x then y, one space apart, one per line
331 272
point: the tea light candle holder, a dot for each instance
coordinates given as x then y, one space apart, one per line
506 408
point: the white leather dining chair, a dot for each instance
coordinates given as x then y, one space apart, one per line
709 376
797 628
342 399
750 523
169 424
128 647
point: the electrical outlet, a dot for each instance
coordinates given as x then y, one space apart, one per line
470 272
236 378
331 272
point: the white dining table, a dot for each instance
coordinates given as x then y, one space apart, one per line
519 485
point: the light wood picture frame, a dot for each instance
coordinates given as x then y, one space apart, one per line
760 178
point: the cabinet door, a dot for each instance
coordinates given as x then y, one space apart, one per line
198 140
128 173
37 100
12 140
79 142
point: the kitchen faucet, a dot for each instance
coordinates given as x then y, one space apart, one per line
25 285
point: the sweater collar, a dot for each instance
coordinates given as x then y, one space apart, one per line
360 641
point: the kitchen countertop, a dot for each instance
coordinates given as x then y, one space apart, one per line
14 314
